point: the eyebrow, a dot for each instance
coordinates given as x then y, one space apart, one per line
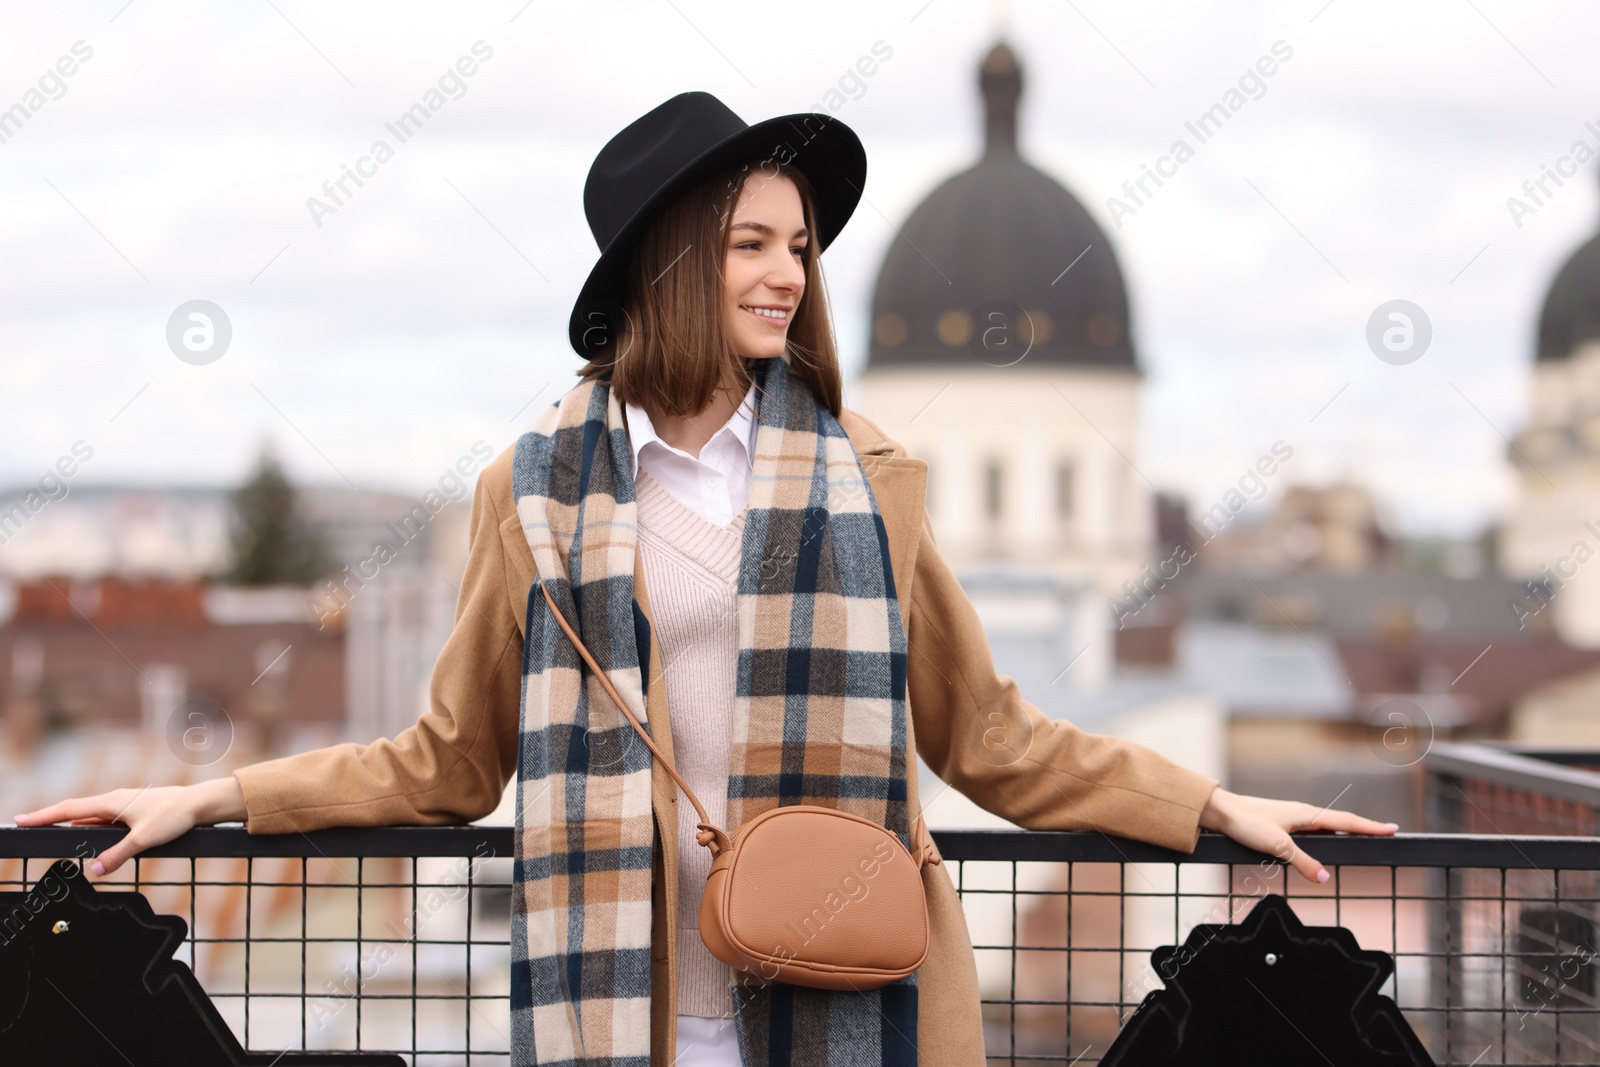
765 230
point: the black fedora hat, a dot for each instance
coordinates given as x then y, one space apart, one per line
663 153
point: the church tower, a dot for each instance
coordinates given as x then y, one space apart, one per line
1001 353
1553 536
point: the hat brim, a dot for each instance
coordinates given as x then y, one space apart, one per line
821 147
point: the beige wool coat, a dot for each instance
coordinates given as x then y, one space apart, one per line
454 764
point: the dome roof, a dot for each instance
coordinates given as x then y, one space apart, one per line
997 239
1571 313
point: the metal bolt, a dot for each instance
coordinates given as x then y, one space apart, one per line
1272 958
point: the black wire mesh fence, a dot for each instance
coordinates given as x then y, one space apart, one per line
398 939
1063 927
1527 937
391 939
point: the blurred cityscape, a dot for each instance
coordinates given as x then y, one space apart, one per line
1282 638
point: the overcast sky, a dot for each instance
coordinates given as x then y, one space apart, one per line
429 309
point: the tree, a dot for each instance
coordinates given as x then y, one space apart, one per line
272 542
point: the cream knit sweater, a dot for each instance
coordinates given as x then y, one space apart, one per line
691 568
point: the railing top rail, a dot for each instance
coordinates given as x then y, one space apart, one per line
486 842
1565 757
1522 771
48 842
1400 850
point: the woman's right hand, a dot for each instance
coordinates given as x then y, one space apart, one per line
153 816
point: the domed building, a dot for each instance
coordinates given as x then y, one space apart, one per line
1553 536
1001 353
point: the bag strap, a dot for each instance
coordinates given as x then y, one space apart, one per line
716 839
712 837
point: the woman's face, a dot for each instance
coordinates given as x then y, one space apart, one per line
763 268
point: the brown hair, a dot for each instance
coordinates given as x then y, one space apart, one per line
671 349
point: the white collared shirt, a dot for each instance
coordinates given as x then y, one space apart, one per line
717 483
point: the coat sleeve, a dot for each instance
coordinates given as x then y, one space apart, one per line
452 765
975 731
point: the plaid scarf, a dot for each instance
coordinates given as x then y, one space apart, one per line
819 718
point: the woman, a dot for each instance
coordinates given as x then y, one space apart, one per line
752 567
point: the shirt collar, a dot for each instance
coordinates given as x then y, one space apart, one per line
741 427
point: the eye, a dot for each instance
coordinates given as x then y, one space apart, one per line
799 250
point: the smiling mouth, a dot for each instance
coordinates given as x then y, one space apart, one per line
774 316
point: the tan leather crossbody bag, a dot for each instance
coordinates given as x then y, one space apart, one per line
804 894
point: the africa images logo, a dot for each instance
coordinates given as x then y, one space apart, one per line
404 127
1251 85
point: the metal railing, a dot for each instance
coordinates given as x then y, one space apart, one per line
397 939
1478 788
1542 916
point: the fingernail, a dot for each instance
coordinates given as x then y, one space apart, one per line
99 868
1392 825
1323 875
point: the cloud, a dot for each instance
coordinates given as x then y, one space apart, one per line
420 316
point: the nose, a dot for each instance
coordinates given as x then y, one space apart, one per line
789 276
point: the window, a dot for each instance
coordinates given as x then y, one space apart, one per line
1064 489
992 490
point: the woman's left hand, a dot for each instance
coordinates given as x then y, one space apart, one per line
1265 825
